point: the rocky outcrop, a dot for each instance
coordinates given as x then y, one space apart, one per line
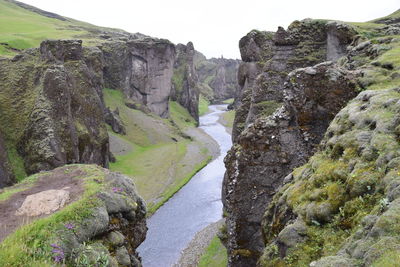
142 69
80 214
346 196
7 178
115 228
283 114
58 115
185 88
218 77
113 119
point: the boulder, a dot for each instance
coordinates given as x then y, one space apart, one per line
43 203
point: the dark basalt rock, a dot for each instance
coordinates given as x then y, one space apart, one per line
280 120
142 69
62 119
185 88
112 118
7 178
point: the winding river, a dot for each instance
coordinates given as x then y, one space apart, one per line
194 207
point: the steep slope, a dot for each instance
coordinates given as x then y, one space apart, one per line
217 77
24 26
185 80
286 106
51 110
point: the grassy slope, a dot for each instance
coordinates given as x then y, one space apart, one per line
21 29
157 162
203 105
215 255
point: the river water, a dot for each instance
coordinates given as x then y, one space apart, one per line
194 207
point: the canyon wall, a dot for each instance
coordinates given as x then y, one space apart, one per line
308 180
282 115
52 112
218 77
185 87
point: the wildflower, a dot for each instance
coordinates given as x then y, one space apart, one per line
117 189
69 226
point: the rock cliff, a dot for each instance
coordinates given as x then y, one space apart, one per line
286 104
218 77
185 87
142 68
293 83
51 107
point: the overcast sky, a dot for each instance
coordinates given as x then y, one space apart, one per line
214 26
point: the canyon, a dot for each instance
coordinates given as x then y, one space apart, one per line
106 124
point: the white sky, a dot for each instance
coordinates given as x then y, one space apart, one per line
214 26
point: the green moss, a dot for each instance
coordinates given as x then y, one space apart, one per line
228 101
389 258
215 255
266 108
180 116
228 117
203 105
31 243
178 77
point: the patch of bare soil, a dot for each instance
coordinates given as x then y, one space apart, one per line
60 178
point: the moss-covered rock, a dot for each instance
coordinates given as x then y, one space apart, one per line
102 226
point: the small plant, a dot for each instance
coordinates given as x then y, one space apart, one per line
69 226
58 253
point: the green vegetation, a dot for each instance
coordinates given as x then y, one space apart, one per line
227 118
32 242
180 116
21 29
228 101
266 108
24 185
215 255
203 105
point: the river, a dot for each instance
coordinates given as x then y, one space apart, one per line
191 209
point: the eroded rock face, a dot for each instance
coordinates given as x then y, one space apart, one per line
218 77
267 147
113 227
342 193
59 111
185 88
142 69
6 176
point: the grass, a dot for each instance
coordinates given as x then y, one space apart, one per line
30 244
228 118
174 188
21 29
215 255
180 116
228 101
24 185
203 105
